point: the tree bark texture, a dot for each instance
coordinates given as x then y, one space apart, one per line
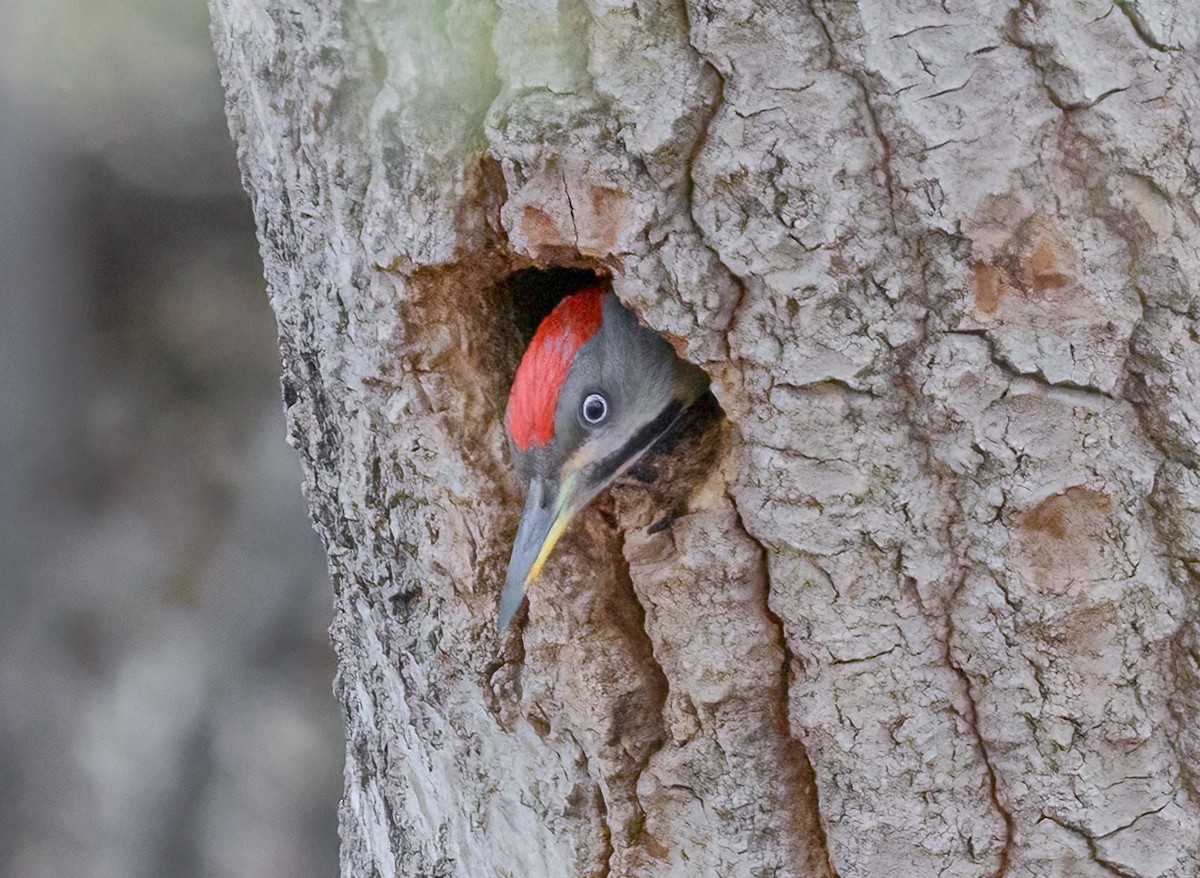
934 612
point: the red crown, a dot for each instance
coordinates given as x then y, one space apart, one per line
544 368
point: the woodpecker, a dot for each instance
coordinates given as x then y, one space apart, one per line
592 394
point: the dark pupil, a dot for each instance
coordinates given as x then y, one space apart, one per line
593 408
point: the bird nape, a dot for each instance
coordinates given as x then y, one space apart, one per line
593 393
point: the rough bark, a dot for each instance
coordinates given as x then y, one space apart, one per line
935 611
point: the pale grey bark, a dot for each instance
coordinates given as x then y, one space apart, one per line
935 612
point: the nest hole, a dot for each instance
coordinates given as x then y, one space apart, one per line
521 300
531 293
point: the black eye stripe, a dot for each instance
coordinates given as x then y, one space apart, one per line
603 470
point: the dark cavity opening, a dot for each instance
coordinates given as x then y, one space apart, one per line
516 306
532 293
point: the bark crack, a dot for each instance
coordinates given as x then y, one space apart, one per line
958 575
972 718
808 774
1129 9
641 763
571 209
1070 106
1093 848
885 144
693 158
948 91
602 808
1014 37
1009 368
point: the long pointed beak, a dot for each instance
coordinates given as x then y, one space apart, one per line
542 523
547 515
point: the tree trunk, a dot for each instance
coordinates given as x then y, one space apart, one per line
935 610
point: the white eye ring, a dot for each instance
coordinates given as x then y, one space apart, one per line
594 409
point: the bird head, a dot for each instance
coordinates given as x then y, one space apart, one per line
593 393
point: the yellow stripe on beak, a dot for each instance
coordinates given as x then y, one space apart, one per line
541 527
556 531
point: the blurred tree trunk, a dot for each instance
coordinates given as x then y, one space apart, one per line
936 611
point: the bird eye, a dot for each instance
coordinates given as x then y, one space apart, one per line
594 409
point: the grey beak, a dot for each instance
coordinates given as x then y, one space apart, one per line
536 535
547 514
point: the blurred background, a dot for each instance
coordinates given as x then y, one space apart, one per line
165 672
